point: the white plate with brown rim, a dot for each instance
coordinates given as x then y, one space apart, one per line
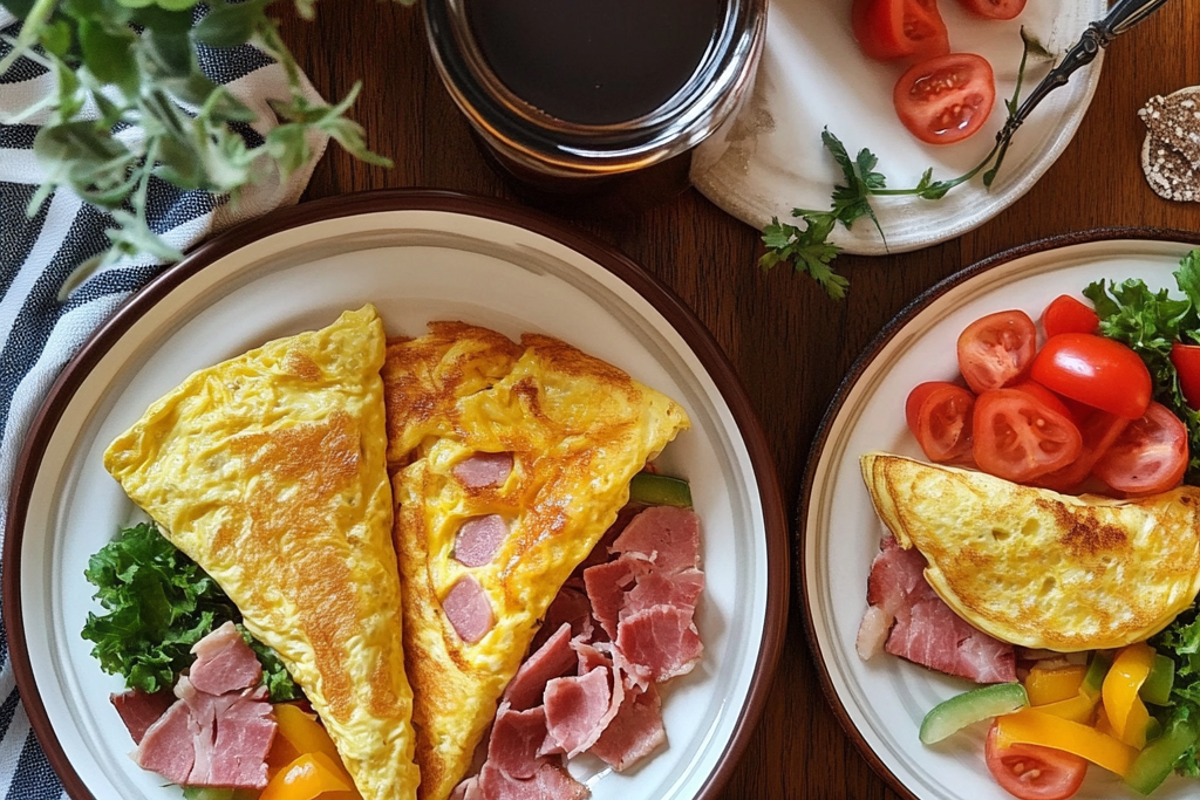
881 702
417 256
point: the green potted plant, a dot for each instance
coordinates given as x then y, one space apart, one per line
135 64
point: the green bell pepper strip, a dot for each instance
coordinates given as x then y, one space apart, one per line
976 705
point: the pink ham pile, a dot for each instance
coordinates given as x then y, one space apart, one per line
907 618
218 729
620 626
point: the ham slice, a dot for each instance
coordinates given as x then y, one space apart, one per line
221 666
213 739
667 536
515 741
550 781
169 745
923 629
575 709
479 538
468 609
659 643
553 659
483 469
635 732
139 710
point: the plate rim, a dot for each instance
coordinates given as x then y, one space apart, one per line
681 318
877 343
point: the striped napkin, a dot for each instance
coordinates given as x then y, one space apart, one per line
49 305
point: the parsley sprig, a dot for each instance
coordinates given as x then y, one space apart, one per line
133 107
807 247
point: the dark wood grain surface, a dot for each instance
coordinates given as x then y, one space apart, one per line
789 342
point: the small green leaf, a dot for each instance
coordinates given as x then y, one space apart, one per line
56 38
231 25
109 56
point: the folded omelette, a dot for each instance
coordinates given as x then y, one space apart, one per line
269 471
1040 569
510 461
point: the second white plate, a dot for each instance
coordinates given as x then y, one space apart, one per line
881 702
770 159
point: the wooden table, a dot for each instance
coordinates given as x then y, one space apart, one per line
789 342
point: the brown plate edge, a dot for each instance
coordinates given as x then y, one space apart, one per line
681 317
856 370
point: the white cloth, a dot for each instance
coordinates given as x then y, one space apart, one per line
49 306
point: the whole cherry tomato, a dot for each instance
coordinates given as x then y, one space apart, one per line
1065 314
1100 372
1186 358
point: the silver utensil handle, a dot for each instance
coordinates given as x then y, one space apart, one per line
1123 15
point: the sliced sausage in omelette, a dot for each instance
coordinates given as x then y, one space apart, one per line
510 463
269 470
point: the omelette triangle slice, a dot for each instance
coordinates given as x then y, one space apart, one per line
511 460
269 470
1040 569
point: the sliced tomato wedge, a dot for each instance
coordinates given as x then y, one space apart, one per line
1017 437
945 99
1066 314
1101 372
1033 772
996 349
1186 358
1150 455
894 29
1099 430
1049 398
939 416
995 9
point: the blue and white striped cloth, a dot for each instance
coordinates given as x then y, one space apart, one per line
49 306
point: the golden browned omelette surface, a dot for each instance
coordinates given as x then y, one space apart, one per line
1041 569
269 470
572 431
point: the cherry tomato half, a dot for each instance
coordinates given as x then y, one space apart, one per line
996 349
1017 437
939 415
1150 455
1186 358
947 98
1065 314
1092 369
1033 772
892 29
994 9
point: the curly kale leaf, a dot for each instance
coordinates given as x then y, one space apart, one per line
158 603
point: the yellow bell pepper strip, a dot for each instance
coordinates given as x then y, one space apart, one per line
1050 685
298 733
1125 710
310 776
1081 708
1037 727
